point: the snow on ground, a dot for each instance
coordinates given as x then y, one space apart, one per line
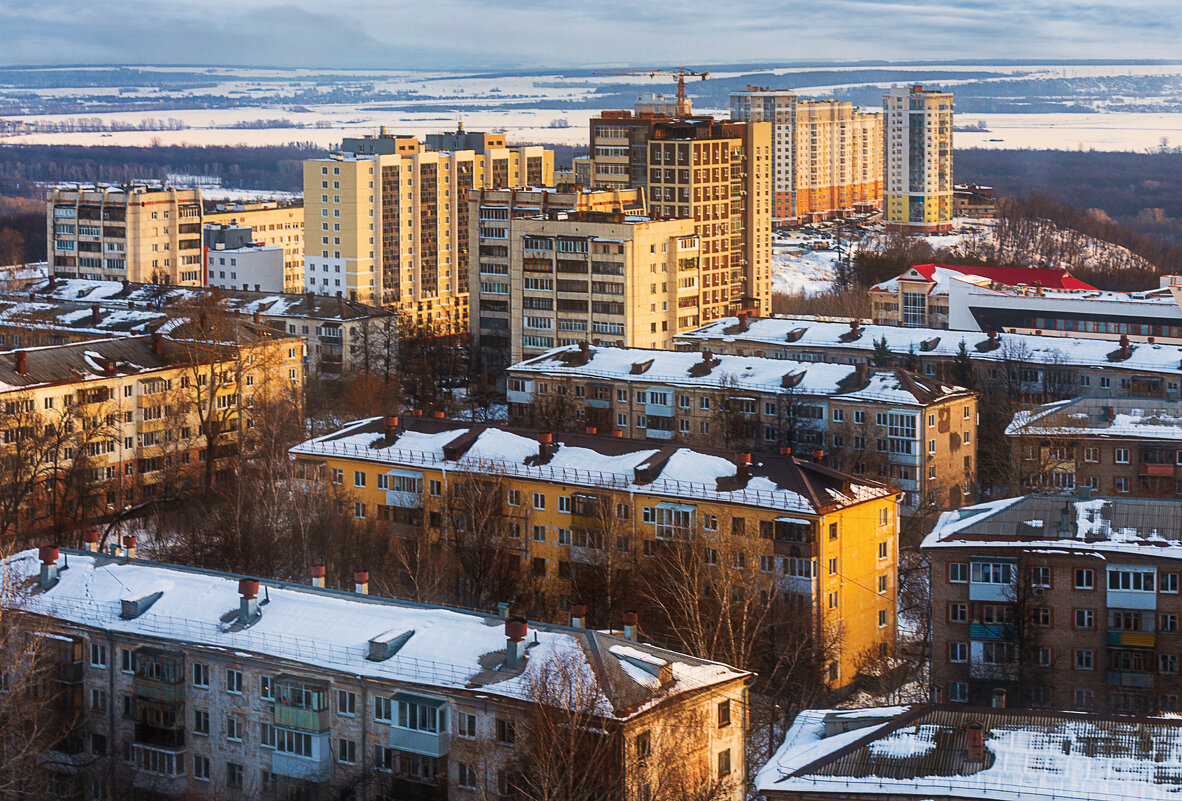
799 268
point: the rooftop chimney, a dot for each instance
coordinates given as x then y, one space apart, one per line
743 466
743 321
129 546
256 316
592 430
861 372
503 610
248 606
1125 350
545 444
318 572
22 362
585 351
361 582
631 624
578 616
819 456
48 555
91 540
391 423
999 698
96 314
515 630
157 344
975 743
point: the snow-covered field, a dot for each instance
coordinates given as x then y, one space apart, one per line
799 268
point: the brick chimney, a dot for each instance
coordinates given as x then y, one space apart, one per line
861 371
975 743
578 616
516 629
129 546
256 317
157 344
584 352
248 605
743 321
1125 349
96 314
361 582
631 625
48 555
90 540
318 573
22 362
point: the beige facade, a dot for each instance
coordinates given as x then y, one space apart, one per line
917 153
273 223
130 232
717 173
391 227
827 155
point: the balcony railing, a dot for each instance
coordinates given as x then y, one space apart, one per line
1132 639
293 717
1129 678
992 631
159 690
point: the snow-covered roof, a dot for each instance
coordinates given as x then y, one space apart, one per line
939 274
331 629
922 753
1065 523
771 481
754 373
1103 418
801 335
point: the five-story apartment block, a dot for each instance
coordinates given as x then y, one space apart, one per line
1063 601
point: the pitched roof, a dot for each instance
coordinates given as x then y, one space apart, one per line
1144 419
921 752
1008 276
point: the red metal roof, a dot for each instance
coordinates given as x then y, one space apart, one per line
1011 276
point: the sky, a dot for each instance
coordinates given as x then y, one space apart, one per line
468 34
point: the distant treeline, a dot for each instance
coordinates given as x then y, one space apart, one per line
268 168
1140 190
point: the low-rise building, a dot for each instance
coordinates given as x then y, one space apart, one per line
233 260
1028 364
204 684
956 753
973 201
340 335
276 223
563 506
1023 300
904 429
1062 601
1118 446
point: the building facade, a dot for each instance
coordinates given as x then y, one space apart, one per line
917 159
718 173
276 223
317 692
234 260
391 228
1032 366
826 154
1117 446
912 433
564 503
133 232
1061 601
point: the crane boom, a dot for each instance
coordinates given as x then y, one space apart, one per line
679 73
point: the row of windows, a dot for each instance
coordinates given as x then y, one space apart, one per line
1125 579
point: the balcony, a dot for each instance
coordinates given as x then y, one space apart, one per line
1129 678
160 736
419 742
316 767
293 717
1132 639
658 433
992 631
989 591
157 690
1165 470
301 704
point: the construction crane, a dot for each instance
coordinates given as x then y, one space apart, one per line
683 108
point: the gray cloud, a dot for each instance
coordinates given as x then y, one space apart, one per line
470 34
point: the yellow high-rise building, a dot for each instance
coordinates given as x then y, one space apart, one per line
388 222
917 159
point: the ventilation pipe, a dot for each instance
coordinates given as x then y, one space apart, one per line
516 629
999 698
318 573
361 582
48 555
248 605
578 616
631 625
129 546
391 423
91 540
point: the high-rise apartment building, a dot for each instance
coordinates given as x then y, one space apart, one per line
135 232
917 159
388 222
826 154
717 173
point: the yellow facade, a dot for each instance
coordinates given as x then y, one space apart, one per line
275 224
917 152
839 559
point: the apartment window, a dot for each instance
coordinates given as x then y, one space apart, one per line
883 583
1167 663
1085 660
1040 577
201 721
539 533
833 600
1085 619
234 681
1121 456
724 763
1130 580
539 500
265 690
1169 582
992 573
724 713
201 768
359 510
358 478
98 700
832 531
346 751
346 702
958 613
882 618
466 721
465 775
958 652
435 488
200 675
234 775
1091 455
1085 579
513 497
1169 624
884 550
1041 616
233 728
98 655
958 572
1084 700
958 692
506 732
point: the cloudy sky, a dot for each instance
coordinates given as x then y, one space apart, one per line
502 33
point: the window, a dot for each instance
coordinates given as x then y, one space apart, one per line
346 751
513 497
358 478
1169 624
1040 577
383 709
883 618
1045 657
265 690
992 572
539 533
539 500
832 531
1167 663
98 655
346 702
1085 660
233 775
435 488
200 721
724 713
724 763
233 728
1041 616
564 503
883 583
506 733
958 691
1130 580
200 675
98 700
884 550
1085 579
1169 583
1084 700
958 613
958 572
234 681
1121 456
958 652
1085 619
421 717
466 721
126 662
465 776
201 768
